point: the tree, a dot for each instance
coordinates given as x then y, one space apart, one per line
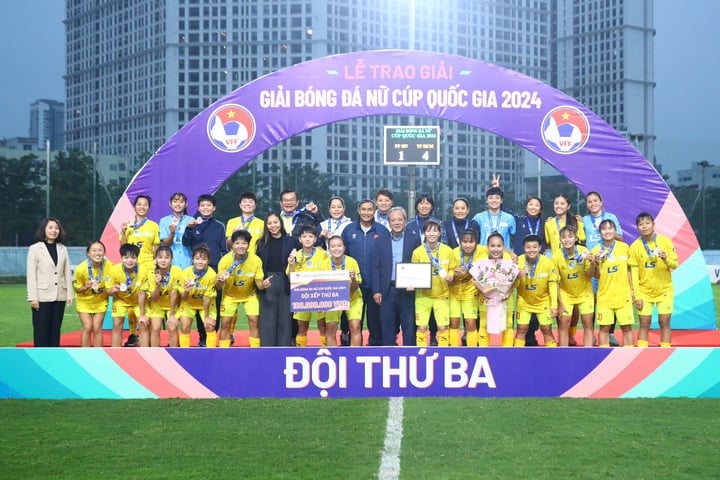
22 197
71 195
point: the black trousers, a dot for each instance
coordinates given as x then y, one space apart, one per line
47 321
275 325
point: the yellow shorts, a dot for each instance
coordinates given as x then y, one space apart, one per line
306 316
464 308
439 306
91 307
156 311
120 310
585 305
523 318
189 311
664 304
230 306
355 312
606 315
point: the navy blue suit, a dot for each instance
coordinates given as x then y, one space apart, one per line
398 305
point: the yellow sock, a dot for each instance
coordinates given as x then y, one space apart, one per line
211 340
184 339
483 338
665 344
454 337
421 339
225 343
629 346
444 339
572 331
643 343
254 341
508 338
323 341
301 340
604 345
471 338
550 343
519 342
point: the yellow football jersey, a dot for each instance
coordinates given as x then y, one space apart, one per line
463 288
442 258
552 234
243 274
654 274
203 287
146 235
572 270
254 226
613 282
88 300
172 280
349 264
133 281
537 289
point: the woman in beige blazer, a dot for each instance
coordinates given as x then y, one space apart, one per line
49 283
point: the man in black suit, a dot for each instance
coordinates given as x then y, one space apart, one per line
397 306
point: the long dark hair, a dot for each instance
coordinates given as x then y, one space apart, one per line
266 234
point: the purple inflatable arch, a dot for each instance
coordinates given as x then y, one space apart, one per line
561 131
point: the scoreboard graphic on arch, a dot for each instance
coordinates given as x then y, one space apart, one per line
412 145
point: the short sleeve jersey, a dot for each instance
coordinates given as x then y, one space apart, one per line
243 274
310 262
93 301
254 227
534 287
552 234
503 223
464 288
591 225
572 273
203 286
133 280
654 273
168 282
443 258
145 235
613 283
349 264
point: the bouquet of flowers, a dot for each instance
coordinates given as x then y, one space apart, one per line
495 279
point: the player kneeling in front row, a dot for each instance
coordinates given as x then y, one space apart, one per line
162 298
241 273
652 260
537 292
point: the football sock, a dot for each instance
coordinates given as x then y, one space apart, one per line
443 338
301 340
224 343
211 339
471 338
454 337
421 339
254 341
184 339
643 343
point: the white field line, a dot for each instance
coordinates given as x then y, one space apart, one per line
390 462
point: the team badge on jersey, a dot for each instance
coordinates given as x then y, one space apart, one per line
565 130
231 128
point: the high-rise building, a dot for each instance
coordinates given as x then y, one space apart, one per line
138 70
47 122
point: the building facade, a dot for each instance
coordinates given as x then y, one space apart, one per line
47 122
138 70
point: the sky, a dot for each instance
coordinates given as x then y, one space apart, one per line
687 73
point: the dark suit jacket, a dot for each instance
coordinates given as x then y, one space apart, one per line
288 243
382 266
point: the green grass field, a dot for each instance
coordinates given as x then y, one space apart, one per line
442 438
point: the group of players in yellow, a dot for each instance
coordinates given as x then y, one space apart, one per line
152 288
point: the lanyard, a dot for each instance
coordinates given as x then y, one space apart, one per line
381 219
129 277
496 227
465 265
576 256
307 259
533 231
609 252
342 267
650 253
91 277
198 276
236 263
136 225
434 260
455 232
164 278
531 273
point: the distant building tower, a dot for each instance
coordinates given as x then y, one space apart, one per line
47 122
